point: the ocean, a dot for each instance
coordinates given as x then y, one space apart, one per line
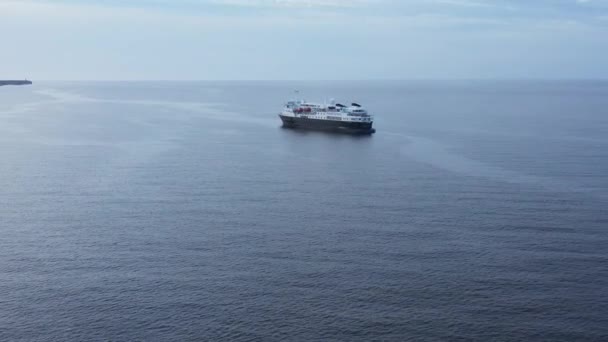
182 211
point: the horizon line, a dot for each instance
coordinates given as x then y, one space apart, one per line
331 80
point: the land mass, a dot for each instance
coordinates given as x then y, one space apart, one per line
14 82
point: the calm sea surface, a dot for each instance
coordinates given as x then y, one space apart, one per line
182 211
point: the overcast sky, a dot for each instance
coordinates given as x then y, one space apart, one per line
302 39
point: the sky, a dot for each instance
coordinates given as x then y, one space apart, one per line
303 39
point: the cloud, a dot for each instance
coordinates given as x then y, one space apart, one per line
296 3
260 39
465 3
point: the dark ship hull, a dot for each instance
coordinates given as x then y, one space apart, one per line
327 125
13 82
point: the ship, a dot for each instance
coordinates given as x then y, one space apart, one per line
15 82
335 117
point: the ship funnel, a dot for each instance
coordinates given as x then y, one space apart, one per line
355 104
